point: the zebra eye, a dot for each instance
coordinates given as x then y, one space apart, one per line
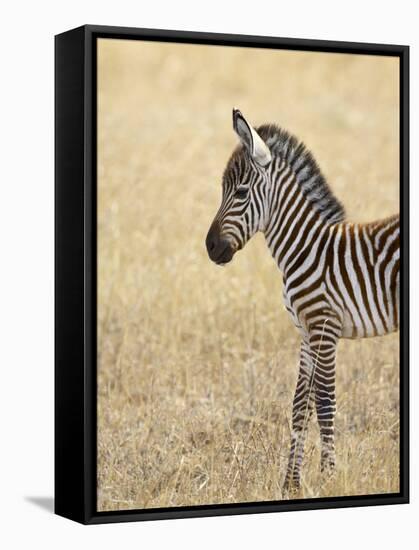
241 192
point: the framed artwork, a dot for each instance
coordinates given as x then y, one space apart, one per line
231 274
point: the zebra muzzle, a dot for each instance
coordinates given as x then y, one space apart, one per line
219 249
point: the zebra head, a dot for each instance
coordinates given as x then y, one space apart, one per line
243 207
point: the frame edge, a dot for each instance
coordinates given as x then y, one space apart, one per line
69 275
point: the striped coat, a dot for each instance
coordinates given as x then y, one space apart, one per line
341 280
355 275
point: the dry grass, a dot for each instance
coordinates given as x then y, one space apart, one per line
197 364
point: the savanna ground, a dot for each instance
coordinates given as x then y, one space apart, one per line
197 364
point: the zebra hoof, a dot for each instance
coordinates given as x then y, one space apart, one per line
291 488
327 475
328 470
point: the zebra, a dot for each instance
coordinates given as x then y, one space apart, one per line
340 279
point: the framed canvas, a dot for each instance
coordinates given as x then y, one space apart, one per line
278 381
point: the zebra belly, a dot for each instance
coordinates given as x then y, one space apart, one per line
350 329
364 308
356 325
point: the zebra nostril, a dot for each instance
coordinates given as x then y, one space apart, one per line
213 238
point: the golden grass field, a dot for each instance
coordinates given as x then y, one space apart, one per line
197 364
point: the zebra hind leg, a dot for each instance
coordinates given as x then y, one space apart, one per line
303 405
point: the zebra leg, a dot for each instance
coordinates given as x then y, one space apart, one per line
301 414
323 343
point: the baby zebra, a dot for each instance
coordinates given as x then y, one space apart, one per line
341 280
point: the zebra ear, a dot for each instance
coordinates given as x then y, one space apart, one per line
251 139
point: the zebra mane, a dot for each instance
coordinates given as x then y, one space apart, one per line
307 172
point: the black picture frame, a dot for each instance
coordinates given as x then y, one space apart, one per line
75 272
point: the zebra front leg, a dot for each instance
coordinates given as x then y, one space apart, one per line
301 414
323 343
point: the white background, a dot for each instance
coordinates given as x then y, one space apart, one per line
26 273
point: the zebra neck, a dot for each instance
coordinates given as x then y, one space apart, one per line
294 226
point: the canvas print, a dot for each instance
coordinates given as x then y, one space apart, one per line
248 262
